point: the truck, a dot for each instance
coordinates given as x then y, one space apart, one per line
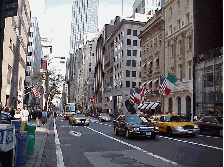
69 110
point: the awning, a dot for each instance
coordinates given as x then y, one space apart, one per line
154 106
143 65
144 106
140 106
150 105
149 82
144 83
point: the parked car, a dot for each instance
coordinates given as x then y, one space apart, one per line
79 119
104 117
174 124
211 124
132 125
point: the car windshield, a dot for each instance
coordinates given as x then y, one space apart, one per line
105 115
173 119
133 119
220 119
80 115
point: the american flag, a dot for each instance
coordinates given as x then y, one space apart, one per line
35 92
143 94
162 85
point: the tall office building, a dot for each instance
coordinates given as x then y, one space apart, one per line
84 20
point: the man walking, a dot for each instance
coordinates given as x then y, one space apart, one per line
38 117
44 117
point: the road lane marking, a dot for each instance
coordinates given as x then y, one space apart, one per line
60 162
74 133
190 142
135 147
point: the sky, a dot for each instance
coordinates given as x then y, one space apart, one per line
54 18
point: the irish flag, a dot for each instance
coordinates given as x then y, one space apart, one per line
171 80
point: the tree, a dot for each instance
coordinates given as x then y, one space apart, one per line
55 83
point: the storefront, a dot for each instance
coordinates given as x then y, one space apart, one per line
209 84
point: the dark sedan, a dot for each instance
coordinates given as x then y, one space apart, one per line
211 124
132 125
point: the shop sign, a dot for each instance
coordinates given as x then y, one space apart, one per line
11 8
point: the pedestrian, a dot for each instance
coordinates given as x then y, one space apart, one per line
38 117
195 117
12 113
201 116
55 115
44 117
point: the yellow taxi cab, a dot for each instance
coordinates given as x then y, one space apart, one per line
80 119
174 124
104 117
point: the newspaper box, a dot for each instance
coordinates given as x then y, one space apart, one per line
7 137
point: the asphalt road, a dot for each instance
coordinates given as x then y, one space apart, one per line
97 145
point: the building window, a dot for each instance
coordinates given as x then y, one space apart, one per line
129 32
160 42
133 63
157 62
9 76
127 73
180 49
129 52
170 29
134 53
134 42
128 42
89 69
189 43
128 63
155 44
189 65
187 18
127 84
181 72
170 11
89 64
133 84
140 74
134 32
178 4
178 24
170 105
171 51
133 73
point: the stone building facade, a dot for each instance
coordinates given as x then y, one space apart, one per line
15 51
179 55
152 57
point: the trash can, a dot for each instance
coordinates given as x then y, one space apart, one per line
21 148
7 143
23 126
31 138
17 124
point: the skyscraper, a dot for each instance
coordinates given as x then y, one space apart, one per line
84 19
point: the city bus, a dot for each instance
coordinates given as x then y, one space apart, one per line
69 110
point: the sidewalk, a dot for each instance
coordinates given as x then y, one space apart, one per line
34 160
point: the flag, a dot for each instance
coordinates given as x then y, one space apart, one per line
143 94
135 96
92 99
35 92
171 80
162 85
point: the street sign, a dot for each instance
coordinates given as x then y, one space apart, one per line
11 7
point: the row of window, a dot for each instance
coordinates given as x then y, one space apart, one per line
132 84
180 47
132 32
134 42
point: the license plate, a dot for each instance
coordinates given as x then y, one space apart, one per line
190 132
148 133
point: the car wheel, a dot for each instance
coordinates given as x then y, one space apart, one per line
115 131
221 133
169 131
127 135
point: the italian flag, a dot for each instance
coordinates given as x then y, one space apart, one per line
171 80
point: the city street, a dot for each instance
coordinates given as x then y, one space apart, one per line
97 145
